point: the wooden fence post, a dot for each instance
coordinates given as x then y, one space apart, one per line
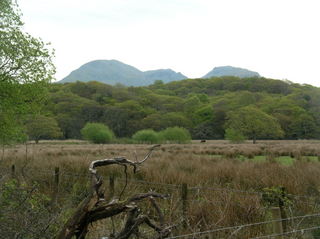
184 199
26 150
13 171
56 184
111 186
277 226
2 157
282 208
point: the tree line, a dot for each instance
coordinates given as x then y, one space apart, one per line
255 108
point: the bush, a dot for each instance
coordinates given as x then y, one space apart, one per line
146 136
234 136
97 133
176 135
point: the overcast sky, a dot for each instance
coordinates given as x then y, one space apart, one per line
277 38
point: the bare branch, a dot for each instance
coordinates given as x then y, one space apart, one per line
149 154
95 207
160 214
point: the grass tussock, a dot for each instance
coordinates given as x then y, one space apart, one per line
220 176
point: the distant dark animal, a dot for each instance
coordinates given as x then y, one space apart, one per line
202 141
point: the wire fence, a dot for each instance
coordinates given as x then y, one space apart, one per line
196 197
246 225
48 172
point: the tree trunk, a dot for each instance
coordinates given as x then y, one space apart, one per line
254 139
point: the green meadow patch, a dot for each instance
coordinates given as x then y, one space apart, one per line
284 160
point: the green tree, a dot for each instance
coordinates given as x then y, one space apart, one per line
175 135
203 114
304 127
254 123
125 118
72 112
191 104
25 71
286 111
146 136
43 127
160 121
212 127
97 133
234 136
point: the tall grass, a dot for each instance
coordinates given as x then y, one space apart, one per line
216 177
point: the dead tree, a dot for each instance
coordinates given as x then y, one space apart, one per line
95 207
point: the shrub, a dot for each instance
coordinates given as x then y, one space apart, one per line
175 134
146 136
97 133
234 136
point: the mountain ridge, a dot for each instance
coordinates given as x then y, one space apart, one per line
116 72
113 72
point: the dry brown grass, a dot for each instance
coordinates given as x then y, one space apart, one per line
207 165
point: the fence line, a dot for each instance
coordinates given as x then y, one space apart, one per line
299 197
287 233
245 225
239 227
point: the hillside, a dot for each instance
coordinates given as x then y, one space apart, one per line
112 72
231 71
203 106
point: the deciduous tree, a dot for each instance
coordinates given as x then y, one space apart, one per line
254 123
43 127
25 70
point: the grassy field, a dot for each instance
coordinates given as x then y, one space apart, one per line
227 182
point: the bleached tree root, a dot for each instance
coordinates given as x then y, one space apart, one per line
94 207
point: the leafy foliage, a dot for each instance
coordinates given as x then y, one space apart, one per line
146 136
202 106
24 212
234 136
272 196
254 123
175 135
25 71
97 133
42 127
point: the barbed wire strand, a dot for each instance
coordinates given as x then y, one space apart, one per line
244 225
287 233
51 172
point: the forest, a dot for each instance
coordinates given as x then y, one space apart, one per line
205 107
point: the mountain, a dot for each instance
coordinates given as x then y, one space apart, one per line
231 71
112 72
166 75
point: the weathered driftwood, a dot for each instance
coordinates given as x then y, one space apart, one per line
95 207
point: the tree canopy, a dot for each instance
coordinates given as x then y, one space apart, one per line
254 123
97 133
25 71
202 106
42 127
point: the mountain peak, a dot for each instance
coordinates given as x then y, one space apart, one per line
114 71
231 71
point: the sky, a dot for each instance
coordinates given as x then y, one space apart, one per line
280 39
